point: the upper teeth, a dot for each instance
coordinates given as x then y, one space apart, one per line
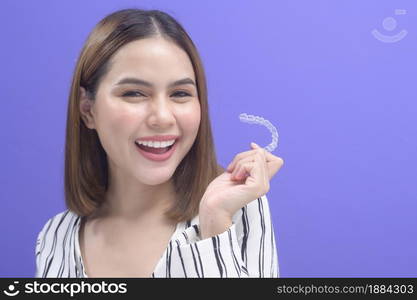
156 144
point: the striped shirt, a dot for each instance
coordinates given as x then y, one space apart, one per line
246 249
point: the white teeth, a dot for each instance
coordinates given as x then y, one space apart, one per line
158 144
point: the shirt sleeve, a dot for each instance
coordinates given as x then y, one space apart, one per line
39 246
246 249
258 247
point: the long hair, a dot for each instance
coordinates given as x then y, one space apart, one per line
86 166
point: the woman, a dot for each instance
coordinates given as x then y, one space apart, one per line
144 192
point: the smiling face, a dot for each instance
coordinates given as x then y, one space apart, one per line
123 113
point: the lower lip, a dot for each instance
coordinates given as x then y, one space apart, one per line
158 157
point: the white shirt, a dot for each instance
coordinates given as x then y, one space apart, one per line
246 249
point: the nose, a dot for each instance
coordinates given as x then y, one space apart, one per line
161 112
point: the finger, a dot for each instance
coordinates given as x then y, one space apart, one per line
239 157
270 158
244 155
263 165
257 178
268 155
238 164
274 166
271 167
260 149
242 170
236 175
274 163
244 167
239 171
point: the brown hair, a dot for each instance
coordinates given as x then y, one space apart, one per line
86 169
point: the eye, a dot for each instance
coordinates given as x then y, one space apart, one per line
132 94
184 94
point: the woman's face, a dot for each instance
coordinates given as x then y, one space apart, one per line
123 113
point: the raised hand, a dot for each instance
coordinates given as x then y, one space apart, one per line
247 178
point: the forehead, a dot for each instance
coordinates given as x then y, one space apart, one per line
154 59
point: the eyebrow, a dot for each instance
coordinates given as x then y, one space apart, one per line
137 81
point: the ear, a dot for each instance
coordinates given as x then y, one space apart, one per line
86 108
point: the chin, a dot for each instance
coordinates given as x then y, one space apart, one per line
156 178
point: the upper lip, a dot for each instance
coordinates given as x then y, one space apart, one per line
158 138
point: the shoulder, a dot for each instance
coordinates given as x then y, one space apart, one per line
58 225
54 245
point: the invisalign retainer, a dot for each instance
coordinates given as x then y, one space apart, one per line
251 119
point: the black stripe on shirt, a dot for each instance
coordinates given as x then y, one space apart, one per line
41 241
246 231
182 261
213 239
45 233
220 254
195 262
245 270
64 248
197 232
199 258
76 259
186 237
192 252
51 254
262 242
235 262
70 246
168 260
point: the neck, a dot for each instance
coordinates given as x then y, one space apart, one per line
130 201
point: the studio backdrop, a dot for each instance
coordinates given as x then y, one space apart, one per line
337 79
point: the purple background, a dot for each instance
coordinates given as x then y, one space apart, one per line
344 104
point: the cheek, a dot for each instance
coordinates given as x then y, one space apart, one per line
190 119
115 124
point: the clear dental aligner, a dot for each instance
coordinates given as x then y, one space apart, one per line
251 119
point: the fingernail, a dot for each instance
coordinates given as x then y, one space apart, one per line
254 145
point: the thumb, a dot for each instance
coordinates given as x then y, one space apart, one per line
254 145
